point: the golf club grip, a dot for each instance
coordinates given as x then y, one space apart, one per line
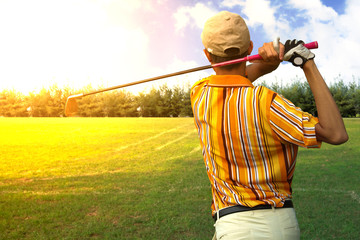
310 45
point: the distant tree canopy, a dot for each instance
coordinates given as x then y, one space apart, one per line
158 102
347 96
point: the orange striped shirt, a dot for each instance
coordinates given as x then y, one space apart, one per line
249 137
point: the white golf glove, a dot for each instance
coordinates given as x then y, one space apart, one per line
296 53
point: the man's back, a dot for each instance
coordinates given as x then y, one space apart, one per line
250 159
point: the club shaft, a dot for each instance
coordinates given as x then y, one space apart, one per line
150 79
310 45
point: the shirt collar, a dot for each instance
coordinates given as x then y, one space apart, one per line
229 81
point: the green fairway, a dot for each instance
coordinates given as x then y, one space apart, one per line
144 178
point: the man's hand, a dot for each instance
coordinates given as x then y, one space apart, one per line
296 53
270 62
270 53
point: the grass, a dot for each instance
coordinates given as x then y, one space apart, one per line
144 178
327 187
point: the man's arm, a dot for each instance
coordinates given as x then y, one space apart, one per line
270 62
331 128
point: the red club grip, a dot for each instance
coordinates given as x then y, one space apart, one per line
311 45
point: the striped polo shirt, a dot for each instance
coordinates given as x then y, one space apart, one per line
249 138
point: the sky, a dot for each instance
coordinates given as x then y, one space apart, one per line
74 43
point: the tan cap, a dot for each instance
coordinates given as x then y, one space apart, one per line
226 31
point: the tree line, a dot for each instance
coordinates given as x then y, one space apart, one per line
158 102
346 96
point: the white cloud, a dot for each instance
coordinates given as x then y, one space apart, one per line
314 9
162 2
309 20
336 35
260 13
192 16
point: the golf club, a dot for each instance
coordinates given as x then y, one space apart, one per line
71 106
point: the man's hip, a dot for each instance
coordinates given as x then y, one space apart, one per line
273 223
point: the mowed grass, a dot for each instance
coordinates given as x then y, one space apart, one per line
144 178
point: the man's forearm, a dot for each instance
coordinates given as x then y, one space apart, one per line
331 126
256 70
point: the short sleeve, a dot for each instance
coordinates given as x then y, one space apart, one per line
291 124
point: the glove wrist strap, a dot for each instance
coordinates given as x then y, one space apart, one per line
297 60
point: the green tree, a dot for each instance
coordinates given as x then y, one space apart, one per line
119 104
300 94
57 101
341 95
40 103
177 101
354 98
13 104
150 103
186 110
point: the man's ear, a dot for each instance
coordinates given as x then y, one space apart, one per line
250 47
207 55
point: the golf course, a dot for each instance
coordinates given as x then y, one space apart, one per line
144 178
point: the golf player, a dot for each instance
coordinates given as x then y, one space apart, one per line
250 135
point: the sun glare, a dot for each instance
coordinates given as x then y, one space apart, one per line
71 44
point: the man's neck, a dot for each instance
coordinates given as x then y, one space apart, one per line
235 71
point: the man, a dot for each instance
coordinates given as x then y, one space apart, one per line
250 135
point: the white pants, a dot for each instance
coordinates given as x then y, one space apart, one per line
274 224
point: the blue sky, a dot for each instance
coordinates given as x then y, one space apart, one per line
109 42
